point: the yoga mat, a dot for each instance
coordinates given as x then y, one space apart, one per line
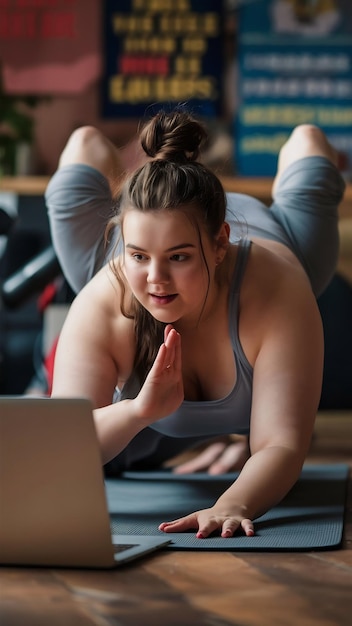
310 517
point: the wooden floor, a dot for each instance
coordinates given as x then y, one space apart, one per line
199 589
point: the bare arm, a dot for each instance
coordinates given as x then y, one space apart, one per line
286 391
96 351
161 394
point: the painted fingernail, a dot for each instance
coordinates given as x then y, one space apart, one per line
200 535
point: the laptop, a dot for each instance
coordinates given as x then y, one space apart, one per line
53 506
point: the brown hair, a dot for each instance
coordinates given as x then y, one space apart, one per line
172 180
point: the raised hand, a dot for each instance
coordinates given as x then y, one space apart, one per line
162 392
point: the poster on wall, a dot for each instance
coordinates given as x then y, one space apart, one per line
161 53
295 67
49 47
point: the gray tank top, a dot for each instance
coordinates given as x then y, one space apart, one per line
230 414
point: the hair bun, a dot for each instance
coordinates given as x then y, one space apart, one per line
174 136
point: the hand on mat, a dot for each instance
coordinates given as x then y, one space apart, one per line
162 392
210 520
219 457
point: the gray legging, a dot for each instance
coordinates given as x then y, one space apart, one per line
303 217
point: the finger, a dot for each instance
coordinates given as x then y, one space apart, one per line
205 529
167 329
229 528
183 523
171 336
166 353
248 527
162 359
233 458
178 353
202 461
172 344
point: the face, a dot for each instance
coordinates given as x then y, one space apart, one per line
164 265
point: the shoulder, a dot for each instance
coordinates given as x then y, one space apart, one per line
98 304
103 289
276 282
276 297
267 259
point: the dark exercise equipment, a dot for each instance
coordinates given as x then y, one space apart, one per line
32 278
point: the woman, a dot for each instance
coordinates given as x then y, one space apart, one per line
189 332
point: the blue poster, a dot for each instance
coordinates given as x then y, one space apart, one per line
295 67
161 53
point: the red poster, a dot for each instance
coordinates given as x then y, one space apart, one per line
49 46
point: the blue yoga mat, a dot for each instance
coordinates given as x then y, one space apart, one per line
310 517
